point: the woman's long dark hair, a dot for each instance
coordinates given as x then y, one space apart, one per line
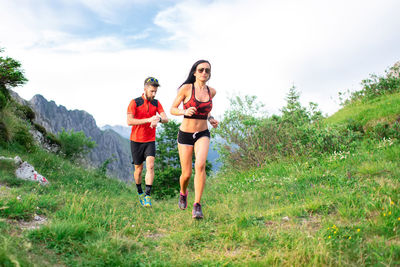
191 78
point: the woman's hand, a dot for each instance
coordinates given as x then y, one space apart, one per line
213 122
190 111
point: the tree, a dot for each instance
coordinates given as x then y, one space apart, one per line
293 112
11 75
167 165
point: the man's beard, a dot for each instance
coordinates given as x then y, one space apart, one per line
150 98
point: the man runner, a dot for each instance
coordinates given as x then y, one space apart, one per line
142 116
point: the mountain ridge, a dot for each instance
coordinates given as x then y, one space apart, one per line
110 145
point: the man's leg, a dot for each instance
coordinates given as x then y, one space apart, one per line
149 179
138 176
138 180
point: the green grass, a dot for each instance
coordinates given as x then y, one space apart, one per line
340 210
385 108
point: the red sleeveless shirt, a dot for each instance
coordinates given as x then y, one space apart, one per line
202 108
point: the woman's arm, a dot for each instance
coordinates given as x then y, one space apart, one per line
182 94
211 119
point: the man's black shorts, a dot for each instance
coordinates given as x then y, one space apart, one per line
140 151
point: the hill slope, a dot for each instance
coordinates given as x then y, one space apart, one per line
341 209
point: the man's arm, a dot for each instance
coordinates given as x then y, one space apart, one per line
164 118
132 121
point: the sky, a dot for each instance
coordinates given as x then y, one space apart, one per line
94 55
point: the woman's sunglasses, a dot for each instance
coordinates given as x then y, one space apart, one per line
207 70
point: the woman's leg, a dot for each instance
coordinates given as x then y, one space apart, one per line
185 156
201 152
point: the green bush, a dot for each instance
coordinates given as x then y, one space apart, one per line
166 182
75 145
23 137
40 128
385 130
53 140
4 135
377 85
251 140
3 100
25 112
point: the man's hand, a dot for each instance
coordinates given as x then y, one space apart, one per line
154 121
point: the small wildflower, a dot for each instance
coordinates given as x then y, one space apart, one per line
384 215
391 202
398 219
329 237
383 208
349 237
389 212
334 232
358 230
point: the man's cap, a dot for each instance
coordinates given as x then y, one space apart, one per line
151 81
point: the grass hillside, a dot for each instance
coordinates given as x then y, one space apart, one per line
385 109
341 209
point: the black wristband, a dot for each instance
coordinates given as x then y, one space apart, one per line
209 118
160 119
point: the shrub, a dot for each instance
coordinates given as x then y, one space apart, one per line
40 128
24 138
377 85
385 130
53 140
75 145
25 112
4 135
3 100
251 140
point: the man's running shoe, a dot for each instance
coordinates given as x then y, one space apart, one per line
183 201
197 213
141 199
147 201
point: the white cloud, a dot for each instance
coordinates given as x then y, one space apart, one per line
255 47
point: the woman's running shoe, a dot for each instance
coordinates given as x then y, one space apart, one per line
197 213
183 200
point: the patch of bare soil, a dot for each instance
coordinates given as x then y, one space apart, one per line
37 222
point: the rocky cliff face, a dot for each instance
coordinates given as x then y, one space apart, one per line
109 144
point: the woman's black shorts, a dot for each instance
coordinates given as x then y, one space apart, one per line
185 138
140 151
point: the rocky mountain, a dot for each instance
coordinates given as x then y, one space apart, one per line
123 131
110 145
